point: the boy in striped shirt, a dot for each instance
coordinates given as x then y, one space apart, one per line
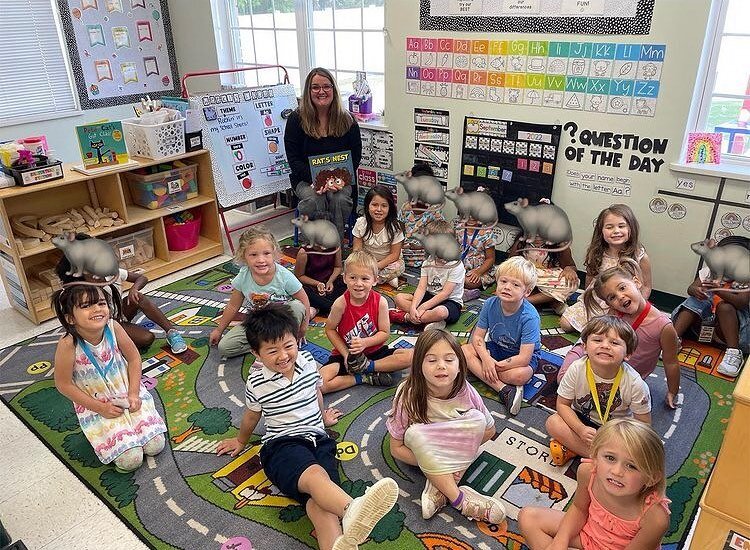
297 454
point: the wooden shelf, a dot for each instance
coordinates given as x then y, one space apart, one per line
108 189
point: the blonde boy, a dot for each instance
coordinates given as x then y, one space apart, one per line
358 327
511 327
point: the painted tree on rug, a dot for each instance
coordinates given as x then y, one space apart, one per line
52 409
210 421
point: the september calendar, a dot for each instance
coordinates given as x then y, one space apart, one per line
599 77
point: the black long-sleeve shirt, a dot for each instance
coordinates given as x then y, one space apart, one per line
299 147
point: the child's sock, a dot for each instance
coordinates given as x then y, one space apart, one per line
370 366
358 379
459 499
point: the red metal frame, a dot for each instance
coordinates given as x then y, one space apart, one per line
185 93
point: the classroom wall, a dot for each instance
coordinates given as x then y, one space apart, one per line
195 48
678 24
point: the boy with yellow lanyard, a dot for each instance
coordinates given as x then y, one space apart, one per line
597 387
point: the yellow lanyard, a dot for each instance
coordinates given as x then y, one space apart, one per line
595 394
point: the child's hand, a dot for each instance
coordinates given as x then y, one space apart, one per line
696 291
331 416
414 314
215 336
231 446
669 400
473 276
587 434
329 287
135 402
489 370
356 345
110 410
321 288
134 297
570 275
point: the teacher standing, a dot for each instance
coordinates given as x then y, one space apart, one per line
319 126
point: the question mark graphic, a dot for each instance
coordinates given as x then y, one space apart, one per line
571 127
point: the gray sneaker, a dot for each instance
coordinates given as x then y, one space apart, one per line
378 378
356 363
511 396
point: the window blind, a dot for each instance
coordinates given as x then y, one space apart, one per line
34 78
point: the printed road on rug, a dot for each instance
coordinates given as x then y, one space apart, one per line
187 497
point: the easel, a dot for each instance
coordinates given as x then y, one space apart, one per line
185 93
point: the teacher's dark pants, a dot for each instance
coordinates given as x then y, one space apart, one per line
335 207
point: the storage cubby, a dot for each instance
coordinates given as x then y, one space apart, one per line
108 190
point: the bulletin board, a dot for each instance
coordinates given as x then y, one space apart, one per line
510 160
244 130
538 16
120 50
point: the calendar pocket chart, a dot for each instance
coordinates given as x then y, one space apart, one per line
509 159
598 77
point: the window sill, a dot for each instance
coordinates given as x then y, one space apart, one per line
730 171
375 124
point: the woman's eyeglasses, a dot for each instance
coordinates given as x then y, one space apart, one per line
325 88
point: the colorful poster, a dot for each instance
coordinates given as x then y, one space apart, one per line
704 148
108 35
376 166
582 76
244 129
102 144
538 16
510 160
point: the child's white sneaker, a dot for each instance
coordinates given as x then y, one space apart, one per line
432 500
731 363
364 512
481 507
435 325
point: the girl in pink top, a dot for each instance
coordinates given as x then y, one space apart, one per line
623 505
620 288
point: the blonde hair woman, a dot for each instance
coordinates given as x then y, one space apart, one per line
321 125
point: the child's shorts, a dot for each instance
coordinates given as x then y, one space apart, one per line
379 353
285 459
702 308
586 420
498 354
453 307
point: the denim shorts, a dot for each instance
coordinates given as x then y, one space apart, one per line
285 459
702 308
498 354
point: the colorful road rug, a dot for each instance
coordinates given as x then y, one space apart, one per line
187 497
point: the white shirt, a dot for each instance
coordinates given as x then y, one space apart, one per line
437 276
376 244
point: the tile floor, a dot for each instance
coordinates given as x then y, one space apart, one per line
41 502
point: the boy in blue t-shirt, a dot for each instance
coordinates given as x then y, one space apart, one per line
511 325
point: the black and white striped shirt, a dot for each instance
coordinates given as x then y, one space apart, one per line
289 407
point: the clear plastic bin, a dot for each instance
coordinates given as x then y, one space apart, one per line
154 141
163 188
135 248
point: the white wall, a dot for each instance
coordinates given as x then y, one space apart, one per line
678 24
195 49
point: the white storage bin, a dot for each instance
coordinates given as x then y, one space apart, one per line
154 141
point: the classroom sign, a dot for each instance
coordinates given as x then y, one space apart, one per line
597 77
244 129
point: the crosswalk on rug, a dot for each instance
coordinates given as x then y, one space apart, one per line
187 497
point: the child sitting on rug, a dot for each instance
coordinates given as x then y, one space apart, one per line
620 288
297 454
381 234
477 253
319 271
439 295
133 303
727 313
415 218
358 327
511 325
437 423
619 502
596 387
261 280
98 368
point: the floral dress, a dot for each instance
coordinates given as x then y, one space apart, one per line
474 241
102 372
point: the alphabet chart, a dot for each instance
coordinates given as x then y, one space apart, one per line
597 77
510 160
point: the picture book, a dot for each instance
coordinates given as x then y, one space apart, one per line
332 170
102 144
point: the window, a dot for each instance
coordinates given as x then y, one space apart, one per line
35 82
724 103
344 36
